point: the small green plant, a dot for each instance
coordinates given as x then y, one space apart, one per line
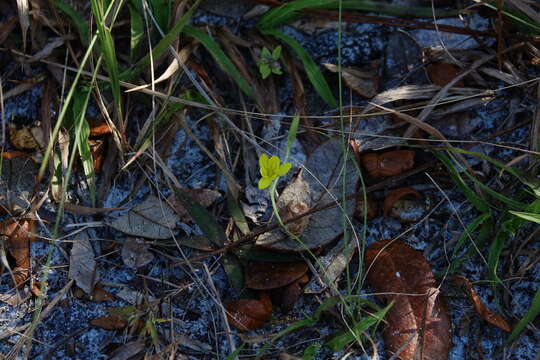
269 62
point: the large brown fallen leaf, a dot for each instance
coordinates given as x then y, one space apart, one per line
82 264
152 219
418 326
389 163
17 179
261 275
321 182
485 313
18 234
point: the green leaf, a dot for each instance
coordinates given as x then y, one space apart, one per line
531 314
338 341
312 69
266 53
277 52
137 28
76 19
161 9
206 221
237 214
527 216
311 351
234 271
276 69
265 70
221 58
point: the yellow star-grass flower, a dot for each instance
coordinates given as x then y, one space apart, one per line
271 169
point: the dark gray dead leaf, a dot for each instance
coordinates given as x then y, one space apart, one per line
205 197
152 219
323 173
331 266
364 83
17 179
128 350
16 297
82 265
135 253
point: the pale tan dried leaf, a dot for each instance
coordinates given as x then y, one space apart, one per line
364 83
82 265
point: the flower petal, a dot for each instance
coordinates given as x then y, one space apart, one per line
263 164
284 168
273 165
265 182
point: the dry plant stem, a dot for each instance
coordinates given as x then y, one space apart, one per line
444 90
222 309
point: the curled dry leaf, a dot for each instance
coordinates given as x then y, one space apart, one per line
98 295
442 73
110 322
152 219
261 275
418 326
249 314
287 296
389 163
364 83
405 204
135 253
82 265
205 197
295 201
27 138
18 234
485 313
323 181
17 180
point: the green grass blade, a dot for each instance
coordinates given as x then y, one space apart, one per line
237 214
312 70
527 216
136 23
291 10
81 132
206 221
468 233
531 314
109 52
161 9
485 233
221 58
338 341
479 203
76 19
291 136
163 44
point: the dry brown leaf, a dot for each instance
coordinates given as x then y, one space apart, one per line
17 181
110 322
364 83
372 208
82 265
389 163
152 219
485 313
205 197
85 210
418 326
249 314
135 253
442 73
261 275
405 204
18 234
27 137
98 295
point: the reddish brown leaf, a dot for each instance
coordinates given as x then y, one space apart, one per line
388 164
261 275
19 233
405 204
98 148
287 296
249 314
485 313
110 322
442 73
418 325
98 295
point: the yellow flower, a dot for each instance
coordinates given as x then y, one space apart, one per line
271 169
